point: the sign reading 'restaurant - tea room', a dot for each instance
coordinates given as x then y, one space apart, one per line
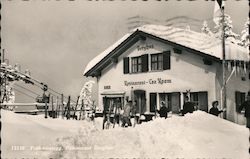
149 81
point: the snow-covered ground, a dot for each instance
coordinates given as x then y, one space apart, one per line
197 135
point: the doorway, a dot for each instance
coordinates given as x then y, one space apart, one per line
140 99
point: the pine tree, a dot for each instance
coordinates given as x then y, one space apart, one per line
245 35
205 29
229 34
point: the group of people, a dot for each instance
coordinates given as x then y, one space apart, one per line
122 115
188 107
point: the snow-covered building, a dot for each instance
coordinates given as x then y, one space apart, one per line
156 63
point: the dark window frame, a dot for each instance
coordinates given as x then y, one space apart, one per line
136 64
156 61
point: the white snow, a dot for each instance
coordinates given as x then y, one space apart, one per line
197 135
198 41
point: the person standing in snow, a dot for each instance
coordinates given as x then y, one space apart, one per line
126 114
188 106
214 110
246 105
117 109
163 110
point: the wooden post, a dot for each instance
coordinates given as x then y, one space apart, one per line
224 91
57 107
68 109
52 107
115 107
45 100
62 106
76 107
80 116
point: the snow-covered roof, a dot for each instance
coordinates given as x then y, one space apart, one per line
207 44
199 41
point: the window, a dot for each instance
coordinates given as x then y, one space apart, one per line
166 99
200 99
160 61
239 99
136 64
157 61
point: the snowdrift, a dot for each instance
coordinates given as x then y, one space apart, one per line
197 135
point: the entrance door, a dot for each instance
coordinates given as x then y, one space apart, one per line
175 98
203 101
140 98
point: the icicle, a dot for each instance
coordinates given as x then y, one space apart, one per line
229 67
245 67
240 68
235 67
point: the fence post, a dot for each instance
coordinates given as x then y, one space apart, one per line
62 106
52 107
57 107
68 109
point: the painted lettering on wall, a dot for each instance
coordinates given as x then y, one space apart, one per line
145 47
107 87
149 81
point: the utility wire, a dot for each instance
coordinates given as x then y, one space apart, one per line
24 93
36 83
27 89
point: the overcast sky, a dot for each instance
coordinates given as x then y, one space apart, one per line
55 40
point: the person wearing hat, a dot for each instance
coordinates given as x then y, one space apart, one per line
163 110
214 110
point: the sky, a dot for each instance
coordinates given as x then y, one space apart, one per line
55 40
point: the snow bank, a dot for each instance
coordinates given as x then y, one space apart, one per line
197 135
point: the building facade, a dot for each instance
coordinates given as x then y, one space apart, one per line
150 70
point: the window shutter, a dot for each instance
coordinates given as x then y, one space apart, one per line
153 100
144 63
126 65
237 100
166 60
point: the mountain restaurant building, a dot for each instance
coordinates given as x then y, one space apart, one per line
158 63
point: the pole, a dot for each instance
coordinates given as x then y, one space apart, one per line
224 92
52 105
62 107
45 101
57 107
68 109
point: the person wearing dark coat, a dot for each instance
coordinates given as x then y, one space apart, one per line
163 111
214 110
246 105
188 106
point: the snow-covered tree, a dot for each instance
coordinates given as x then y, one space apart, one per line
9 76
7 82
245 35
85 96
205 29
229 34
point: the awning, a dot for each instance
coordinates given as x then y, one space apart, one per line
113 94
